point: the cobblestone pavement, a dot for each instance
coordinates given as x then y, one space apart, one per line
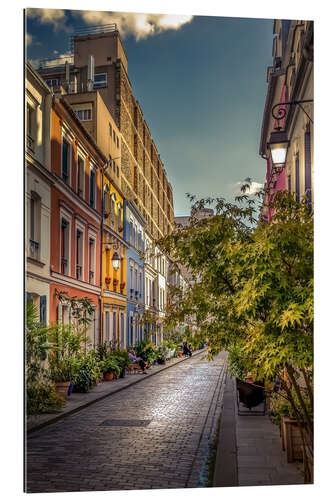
156 434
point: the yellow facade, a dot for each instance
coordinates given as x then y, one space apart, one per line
114 281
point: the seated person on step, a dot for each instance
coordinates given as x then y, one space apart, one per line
137 360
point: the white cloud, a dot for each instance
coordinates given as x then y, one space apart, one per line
254 187
139 25
55 17
28 39
60 59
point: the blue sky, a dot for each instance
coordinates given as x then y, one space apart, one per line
201 86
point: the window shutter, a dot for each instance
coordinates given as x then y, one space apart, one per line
42 309
307 156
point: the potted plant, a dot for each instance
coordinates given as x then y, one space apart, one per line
61 371
123 360
108 280
110 368
162 352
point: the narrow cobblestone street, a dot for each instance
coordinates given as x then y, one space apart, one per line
156 434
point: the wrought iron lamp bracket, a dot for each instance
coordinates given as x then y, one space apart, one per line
282 111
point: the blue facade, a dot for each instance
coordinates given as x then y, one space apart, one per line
134 227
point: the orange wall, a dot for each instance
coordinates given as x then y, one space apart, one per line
80 294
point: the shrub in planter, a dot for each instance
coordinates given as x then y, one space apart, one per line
86 370
162 352
123 360
41 397
110 366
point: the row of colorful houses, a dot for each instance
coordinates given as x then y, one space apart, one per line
84 238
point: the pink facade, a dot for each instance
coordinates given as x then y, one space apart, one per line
275 182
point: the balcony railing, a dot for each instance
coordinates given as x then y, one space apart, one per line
78 272
64 263
34 249
30 143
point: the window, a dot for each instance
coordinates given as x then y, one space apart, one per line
83 114
117 142
110 129
114 329
65 160
80 176
92 187
100 81
122 331
131 280
117 171
79 254
91 260
131 233
114 136
119 216
107 327
35 216
42 309
112 210
30 128
64 246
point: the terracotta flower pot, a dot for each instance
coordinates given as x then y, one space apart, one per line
109 376
62 388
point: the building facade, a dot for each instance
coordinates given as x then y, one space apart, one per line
99 62
290 79
38 182
76 217
114 264
135 237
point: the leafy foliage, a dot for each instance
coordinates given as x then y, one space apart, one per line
253 290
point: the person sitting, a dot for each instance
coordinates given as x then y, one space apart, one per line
185 349
137 360
189 347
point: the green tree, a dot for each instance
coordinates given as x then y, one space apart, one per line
254 291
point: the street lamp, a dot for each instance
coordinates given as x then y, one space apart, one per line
278 144
115 261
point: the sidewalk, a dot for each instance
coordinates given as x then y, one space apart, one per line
77 401
249 451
